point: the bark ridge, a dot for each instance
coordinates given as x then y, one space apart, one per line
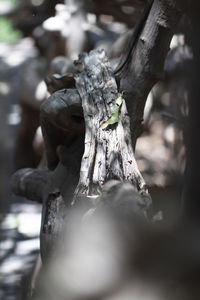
108 151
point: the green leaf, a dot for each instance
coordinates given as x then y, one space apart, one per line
114 113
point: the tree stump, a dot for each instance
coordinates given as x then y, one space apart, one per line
108 150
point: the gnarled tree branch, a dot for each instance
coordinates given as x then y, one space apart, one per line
144 59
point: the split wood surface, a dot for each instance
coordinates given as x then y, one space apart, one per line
108 151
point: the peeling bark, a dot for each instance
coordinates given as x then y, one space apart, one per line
108 152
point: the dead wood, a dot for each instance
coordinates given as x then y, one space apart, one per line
31 183
108 152
62 123
142 63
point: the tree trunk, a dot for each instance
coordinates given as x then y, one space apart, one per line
108 149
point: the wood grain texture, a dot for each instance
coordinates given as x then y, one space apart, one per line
108 152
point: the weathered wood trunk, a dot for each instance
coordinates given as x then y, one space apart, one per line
108 149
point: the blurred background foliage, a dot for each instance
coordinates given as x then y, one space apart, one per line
7 32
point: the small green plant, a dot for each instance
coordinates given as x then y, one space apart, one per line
7 33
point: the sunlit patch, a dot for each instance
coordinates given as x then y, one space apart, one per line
5 7
170 134
177 40
15 59
10 222
58 22
148 106
4 88
129 10
29 224
37 2
106 18
26 224
6 246
38 144
41 91
14 118
91 18
10 265
53 24
25 247
13 55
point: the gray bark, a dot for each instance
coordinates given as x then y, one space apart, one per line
108 152
142 64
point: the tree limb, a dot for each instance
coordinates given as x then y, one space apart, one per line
145 59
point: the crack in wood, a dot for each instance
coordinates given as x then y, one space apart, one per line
108 152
